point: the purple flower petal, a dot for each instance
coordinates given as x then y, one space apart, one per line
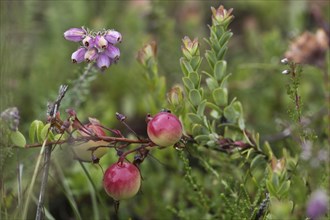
318 204
112 52
103 61
74 34
101 42
113 37
89 42
91 55
79 55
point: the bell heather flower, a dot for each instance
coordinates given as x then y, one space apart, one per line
103 61
95 46
317 204
75 34
101 42
112 52
88 42
79 55
113 37
91 55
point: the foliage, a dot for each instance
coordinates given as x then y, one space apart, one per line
229 88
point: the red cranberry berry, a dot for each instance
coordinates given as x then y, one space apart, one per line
122 180
164 129
83 151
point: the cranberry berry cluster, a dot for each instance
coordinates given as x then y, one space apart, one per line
122 180
95 46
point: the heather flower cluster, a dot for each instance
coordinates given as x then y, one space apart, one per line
98 47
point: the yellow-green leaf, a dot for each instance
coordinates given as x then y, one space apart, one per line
18 139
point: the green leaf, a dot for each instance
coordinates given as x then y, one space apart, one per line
275 180
199 129
220 69
257 161
59 137
222 53
44 133
284 189
238 107
265 148
271 188
208 74
35 129
18 139
241 123
214 41
211 58
201 107
188 83
212 83
184 70
224 80
231 114
214 107
236 155
194 118
225 37
250 152
195 78
220 96
195 62
195 97
202 138
186 53
186 65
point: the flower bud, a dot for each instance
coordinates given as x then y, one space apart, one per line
112 52
175 95
79 55
190 48
101 42
91 55
113 37
103 61
221 16
88 42
147 52
278 165
74 34
285 72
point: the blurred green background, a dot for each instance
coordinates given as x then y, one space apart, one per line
35 61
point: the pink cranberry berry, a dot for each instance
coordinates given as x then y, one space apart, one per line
83 151
122 180
164 129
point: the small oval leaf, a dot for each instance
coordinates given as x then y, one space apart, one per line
220 96
44 133
195 118
188 83
211 83
201 108
195 97
35 128
202 138
195 78
220 69
18 139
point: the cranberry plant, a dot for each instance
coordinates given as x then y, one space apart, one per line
230 172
